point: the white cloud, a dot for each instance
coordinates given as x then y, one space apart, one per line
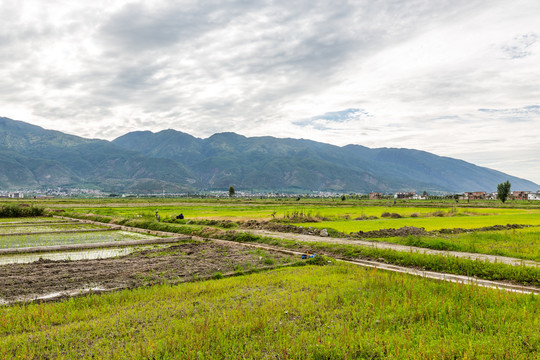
419 71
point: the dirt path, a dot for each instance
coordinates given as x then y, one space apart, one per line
390 246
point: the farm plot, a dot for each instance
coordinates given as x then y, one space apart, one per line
25 228
243 211
23 241
172 264
431 223
27 276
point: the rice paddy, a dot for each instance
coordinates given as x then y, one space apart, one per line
431 223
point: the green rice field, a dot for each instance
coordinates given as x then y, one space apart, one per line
431 223
329 312
22 241
235 211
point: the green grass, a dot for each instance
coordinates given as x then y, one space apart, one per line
331 312
519 243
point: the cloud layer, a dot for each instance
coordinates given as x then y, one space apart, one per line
457 78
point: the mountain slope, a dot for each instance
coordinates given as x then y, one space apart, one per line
271 163
33 156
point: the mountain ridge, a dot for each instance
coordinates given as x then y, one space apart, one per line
174 161
359 167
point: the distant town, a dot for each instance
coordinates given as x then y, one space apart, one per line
93 193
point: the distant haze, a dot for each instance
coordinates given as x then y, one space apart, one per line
456 78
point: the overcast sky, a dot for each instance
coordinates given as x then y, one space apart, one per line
458 78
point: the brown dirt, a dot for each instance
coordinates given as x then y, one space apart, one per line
178 263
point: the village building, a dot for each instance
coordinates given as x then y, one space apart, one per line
533 196
404 195
475 195
375 195
520 195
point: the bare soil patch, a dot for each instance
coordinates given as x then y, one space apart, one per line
178 263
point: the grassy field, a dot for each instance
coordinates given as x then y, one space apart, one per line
328 312
431 223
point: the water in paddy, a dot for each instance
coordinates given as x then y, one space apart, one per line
74 255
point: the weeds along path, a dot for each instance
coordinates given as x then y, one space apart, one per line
459 279
397 247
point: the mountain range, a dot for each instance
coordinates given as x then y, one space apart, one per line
173 161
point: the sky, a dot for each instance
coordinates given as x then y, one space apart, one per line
458 78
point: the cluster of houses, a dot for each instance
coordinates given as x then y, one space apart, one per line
516 195
12 195
475 195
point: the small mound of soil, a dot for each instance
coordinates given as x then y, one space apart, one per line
401 232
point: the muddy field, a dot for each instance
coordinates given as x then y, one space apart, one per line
177 263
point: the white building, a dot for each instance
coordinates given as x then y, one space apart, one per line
533 196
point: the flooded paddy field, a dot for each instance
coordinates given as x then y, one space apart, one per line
72 255
107 235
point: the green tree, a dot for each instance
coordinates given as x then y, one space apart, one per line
231 191
503 190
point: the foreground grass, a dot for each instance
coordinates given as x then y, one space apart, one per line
330 312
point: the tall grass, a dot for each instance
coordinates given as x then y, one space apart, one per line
332 312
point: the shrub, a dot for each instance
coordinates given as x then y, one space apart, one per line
16 210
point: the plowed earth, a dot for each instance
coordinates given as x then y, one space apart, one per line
178 263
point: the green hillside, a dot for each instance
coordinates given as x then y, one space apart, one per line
31 156
272 163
